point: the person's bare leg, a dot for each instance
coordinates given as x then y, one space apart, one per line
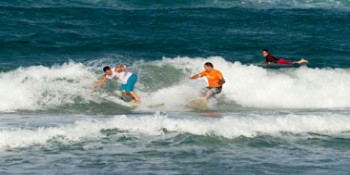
207 96
135 97
301 61
128 94
304 61
202 93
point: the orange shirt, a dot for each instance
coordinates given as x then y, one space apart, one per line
213 77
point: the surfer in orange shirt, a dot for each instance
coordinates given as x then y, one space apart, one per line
215 80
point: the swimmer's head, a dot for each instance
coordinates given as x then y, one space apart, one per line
265 52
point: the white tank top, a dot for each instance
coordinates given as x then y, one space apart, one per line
122 76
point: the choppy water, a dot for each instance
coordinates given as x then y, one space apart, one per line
291 120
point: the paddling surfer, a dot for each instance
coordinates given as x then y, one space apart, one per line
271 59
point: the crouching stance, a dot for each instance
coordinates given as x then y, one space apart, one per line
127 79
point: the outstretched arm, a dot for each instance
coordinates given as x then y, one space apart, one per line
195 76
98 84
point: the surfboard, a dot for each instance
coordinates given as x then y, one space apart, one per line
276 65
199 104
152 106
158 105
127 101
132 105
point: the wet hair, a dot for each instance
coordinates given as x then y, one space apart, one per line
209 64
106 68
265 50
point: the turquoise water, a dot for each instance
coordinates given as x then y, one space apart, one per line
288 120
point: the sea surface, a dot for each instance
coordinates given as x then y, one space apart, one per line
268 120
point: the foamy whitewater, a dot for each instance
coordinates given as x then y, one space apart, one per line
269 120
228 126
45 88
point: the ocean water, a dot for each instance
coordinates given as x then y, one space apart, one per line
281 120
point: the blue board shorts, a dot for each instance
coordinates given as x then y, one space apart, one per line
129 86
213 91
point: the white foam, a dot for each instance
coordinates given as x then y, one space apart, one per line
253 86
38 87
230 126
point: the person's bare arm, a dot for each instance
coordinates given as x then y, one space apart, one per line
124 67
195 76
99 83
222 81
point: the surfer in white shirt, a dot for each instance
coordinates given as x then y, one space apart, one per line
127 79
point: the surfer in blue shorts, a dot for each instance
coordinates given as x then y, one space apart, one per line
127 79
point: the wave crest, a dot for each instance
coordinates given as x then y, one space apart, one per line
166 81
230 126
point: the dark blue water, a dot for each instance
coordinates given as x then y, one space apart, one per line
51 33
283 120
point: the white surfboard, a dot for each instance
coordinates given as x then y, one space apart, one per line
156 105
152 106
199 104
